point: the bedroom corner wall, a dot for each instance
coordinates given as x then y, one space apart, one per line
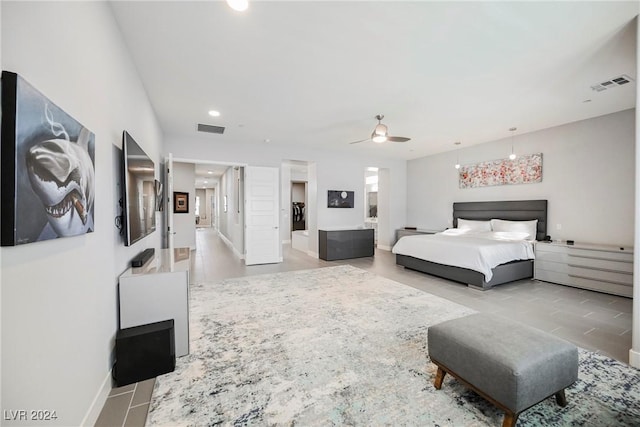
588 175
59 297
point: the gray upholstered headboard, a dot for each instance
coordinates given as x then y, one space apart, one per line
516 210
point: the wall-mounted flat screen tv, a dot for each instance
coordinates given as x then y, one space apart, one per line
340 199
139 196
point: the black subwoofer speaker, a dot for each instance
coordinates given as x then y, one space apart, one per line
144 352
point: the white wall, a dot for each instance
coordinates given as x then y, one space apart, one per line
285 202
333 171
184 224
59 306
232 222
634 352
588 173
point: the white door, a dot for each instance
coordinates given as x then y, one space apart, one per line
262 208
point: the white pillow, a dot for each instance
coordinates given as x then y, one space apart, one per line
510 235
467 224
530 227
455 231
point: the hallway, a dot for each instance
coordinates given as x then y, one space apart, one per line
213 260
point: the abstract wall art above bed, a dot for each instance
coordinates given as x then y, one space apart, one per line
525 169
48 168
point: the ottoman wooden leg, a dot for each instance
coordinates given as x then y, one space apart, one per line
510 419
561 399
439 377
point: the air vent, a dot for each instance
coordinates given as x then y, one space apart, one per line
616 81
210 128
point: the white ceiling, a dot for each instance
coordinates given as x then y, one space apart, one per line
316 73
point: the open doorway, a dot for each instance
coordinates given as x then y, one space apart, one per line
296 207
371 200
215 202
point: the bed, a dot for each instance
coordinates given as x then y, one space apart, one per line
519 210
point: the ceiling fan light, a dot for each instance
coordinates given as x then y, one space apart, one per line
239 5
378 138
380 130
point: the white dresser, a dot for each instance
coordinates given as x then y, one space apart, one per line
603 268
159 290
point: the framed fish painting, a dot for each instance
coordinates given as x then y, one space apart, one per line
48 168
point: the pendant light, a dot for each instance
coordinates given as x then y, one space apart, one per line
512 156
457 166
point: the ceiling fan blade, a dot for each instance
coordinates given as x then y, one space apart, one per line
362 140
397 139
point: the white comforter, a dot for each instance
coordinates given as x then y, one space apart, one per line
478 251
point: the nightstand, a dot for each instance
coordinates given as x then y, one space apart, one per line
401 232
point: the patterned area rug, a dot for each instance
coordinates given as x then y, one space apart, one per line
342 346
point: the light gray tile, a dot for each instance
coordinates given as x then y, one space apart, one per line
114 411
576 338
123 389
143 392
614 344
137 416
622 304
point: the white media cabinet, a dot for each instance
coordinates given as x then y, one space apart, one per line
159 290
603 268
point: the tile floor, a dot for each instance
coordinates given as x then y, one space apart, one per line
595 321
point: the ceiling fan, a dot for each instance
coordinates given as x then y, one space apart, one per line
380 134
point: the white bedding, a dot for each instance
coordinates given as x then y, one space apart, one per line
478 251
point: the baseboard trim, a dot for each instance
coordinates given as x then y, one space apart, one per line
634 358
384 247
98 402
313 254
233 248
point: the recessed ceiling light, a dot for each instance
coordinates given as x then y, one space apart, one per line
239 5
267 140
214 113
205 182
210 172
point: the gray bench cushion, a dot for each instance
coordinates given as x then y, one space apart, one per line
515 364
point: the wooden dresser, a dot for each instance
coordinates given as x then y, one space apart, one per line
603 268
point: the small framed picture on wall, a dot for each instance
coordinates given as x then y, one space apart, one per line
180 202
340 199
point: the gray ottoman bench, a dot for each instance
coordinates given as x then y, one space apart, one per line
512 365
